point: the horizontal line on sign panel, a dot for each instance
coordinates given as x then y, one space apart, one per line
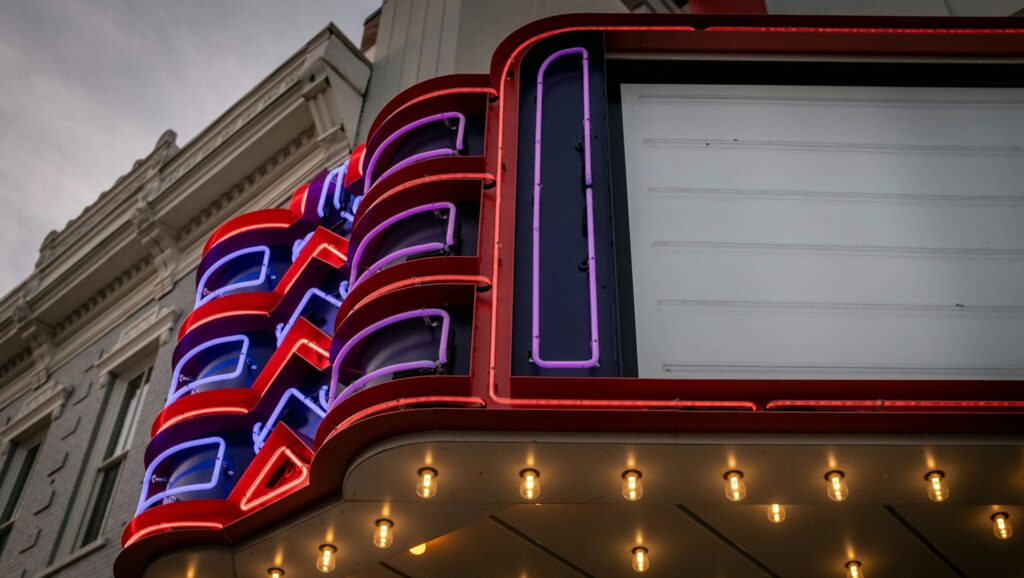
841 308
827 146
967 103
833 196
846 370
872 58
837 250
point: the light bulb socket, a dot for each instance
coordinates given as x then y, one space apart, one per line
626 473
638 549
275 572
853 563
329 548
730 473
928 476
523 473
430 471
384 522
1003 515
828 476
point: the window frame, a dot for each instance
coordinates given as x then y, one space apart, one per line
113 454
30 442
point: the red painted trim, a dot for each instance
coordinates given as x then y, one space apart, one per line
254 221
439 86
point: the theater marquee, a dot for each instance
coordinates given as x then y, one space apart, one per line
568 244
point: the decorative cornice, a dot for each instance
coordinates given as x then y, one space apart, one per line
14 363
129 184
45 404
99 297
200 223
207 142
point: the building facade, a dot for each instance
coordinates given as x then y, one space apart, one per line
90 340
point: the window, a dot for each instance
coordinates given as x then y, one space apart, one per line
118 436
21 457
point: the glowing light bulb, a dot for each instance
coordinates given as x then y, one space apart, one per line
837 489
383 535
853 569
1001 525
326 560
426 487
275 572
735 489
632 487
641 561
776 513
418 549
938 490
529 484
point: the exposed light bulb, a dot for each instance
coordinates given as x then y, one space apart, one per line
776 513
529 484
426 487
735 489
1001 525
383 535
326 560
275 572
418 549
938 490
853 569
641 561
837 489
632 487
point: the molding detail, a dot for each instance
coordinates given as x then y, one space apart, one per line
45 404
14 363
161 242
38 335
102 295
146 333
200 223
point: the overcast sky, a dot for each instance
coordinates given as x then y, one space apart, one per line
88 86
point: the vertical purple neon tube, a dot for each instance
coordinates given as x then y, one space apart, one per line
595 348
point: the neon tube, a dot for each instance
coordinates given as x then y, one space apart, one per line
260 433
145 503
176 379
368 179
429 179
171 526
202 296
449 240
442 354
338 175
314 292
247 503
595 346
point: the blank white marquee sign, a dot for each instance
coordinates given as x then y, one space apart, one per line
826 232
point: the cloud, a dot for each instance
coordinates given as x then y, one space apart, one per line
87 88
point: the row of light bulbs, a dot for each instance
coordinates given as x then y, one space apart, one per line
836 487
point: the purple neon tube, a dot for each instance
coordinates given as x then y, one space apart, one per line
145 502
442 354
443 152
243 351
201 287
355 277
261 432
595 348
